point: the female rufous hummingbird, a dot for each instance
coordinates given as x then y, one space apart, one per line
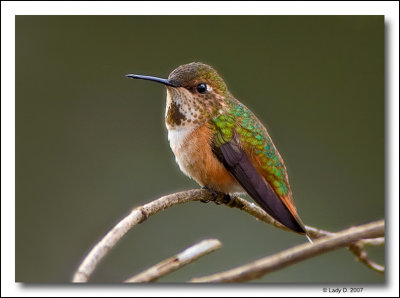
221 144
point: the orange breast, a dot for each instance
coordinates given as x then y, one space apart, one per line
197 160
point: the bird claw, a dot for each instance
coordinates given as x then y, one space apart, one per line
225 199
213 192
219 197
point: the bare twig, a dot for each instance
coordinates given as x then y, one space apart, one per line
374 241
169 265
141 213
296 254
137 215
358 250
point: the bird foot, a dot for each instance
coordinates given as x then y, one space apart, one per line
225 199
219 197
213 192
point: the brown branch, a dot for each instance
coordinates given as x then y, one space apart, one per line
141 213
181 259
296 254
136 216
358 250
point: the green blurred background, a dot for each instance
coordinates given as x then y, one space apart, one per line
91 144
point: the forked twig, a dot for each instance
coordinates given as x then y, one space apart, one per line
296 254
141 213
181 259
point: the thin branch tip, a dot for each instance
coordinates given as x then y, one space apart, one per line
176 262
144 212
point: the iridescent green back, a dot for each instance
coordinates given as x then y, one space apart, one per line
241 125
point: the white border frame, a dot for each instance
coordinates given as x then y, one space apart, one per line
8 11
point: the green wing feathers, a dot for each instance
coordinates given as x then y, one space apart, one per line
242 125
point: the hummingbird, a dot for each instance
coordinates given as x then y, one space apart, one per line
221 144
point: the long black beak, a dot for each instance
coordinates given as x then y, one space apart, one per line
150 78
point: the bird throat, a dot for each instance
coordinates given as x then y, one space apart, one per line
174 116
182 110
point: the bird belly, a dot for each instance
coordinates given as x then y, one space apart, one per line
192 149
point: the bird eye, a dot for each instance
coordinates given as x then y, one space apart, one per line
201 88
